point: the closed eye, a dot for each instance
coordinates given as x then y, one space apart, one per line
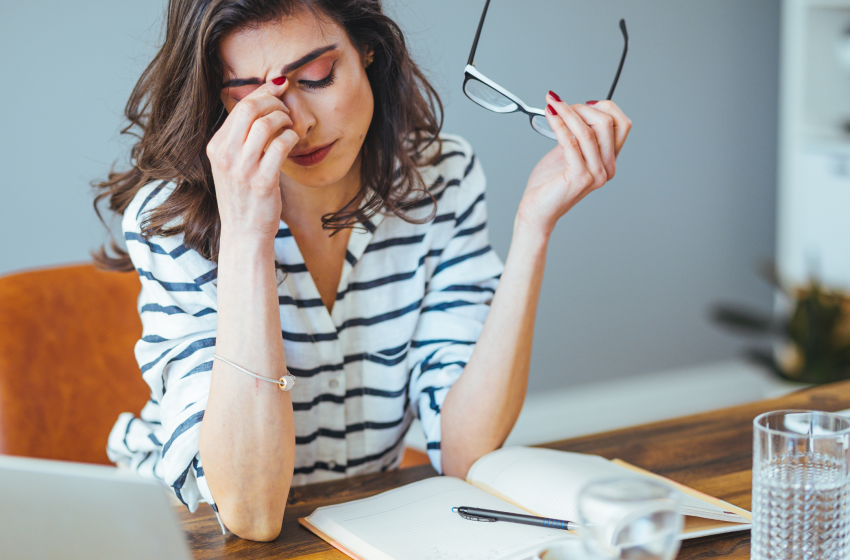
323 83
241 92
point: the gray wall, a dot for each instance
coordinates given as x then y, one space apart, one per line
632 270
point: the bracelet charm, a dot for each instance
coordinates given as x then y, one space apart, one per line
286 382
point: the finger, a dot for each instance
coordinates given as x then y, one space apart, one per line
603 125
622 123
259 103
586 139
569 146
276 153
262 132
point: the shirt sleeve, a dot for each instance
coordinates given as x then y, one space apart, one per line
457 300
178 312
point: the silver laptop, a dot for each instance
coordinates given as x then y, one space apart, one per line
55 510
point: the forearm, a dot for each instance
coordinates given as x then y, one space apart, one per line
247 439
483 404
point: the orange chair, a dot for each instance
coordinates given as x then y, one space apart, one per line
67 367
413 458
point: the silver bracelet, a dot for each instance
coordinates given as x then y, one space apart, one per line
285 383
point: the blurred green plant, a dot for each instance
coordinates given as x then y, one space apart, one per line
811 344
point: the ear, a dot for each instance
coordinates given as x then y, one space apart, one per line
368 56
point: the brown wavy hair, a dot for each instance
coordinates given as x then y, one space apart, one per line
175 109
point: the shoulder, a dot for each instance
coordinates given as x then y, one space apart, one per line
455 161
454 178
165 260
146 199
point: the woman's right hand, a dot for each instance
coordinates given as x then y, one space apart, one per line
246 155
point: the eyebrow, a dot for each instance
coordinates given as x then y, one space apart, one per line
307 58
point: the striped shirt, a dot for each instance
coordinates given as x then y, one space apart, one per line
411 304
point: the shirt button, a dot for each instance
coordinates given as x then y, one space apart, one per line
332 465
333 384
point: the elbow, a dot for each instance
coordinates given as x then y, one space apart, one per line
252 525
457 471
259 534
457 462
458 455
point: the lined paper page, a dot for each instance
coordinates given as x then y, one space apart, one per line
415 522
547 482
543 481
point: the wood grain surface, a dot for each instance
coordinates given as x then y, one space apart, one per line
711 452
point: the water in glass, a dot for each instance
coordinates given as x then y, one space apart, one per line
800 487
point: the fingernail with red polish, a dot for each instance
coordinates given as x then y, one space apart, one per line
554 95
279 81
591 102
551 110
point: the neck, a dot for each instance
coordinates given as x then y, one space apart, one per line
303 207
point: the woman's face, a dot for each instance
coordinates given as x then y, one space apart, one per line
329 96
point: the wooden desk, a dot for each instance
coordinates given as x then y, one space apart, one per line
711 452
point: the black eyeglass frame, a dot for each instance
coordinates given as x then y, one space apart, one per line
472 73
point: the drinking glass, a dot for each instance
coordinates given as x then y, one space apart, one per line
800 486
630 519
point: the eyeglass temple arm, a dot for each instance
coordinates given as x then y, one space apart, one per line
622 58
477 34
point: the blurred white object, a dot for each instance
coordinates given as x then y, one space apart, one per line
630 519
813 198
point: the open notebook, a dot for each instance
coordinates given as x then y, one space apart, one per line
416 522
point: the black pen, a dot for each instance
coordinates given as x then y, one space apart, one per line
475 514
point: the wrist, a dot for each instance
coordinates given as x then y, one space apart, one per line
530 234
245 248
528 245
533 222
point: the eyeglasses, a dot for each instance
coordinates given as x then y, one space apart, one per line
492 96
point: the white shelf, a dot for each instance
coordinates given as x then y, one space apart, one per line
621 403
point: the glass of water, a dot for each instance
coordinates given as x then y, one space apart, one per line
630 519
801 461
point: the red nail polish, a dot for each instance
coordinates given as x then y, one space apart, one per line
551 110
591 102
279 81
554 95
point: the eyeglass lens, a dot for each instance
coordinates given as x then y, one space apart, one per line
494 100
488 97
541 125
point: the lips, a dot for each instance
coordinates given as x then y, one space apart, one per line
313 156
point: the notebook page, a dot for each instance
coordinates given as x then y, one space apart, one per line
694 502
544 482
547 482
415 522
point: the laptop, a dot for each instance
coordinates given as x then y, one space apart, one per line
54 510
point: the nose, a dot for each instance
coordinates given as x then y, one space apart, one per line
303 118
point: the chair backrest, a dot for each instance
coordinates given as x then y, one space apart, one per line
67 367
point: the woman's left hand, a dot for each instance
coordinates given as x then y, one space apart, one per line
589 140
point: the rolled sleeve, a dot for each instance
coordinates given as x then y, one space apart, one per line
457 300
177 308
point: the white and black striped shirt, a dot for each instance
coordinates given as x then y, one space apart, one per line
411 304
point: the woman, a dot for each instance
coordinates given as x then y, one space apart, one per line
293 206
